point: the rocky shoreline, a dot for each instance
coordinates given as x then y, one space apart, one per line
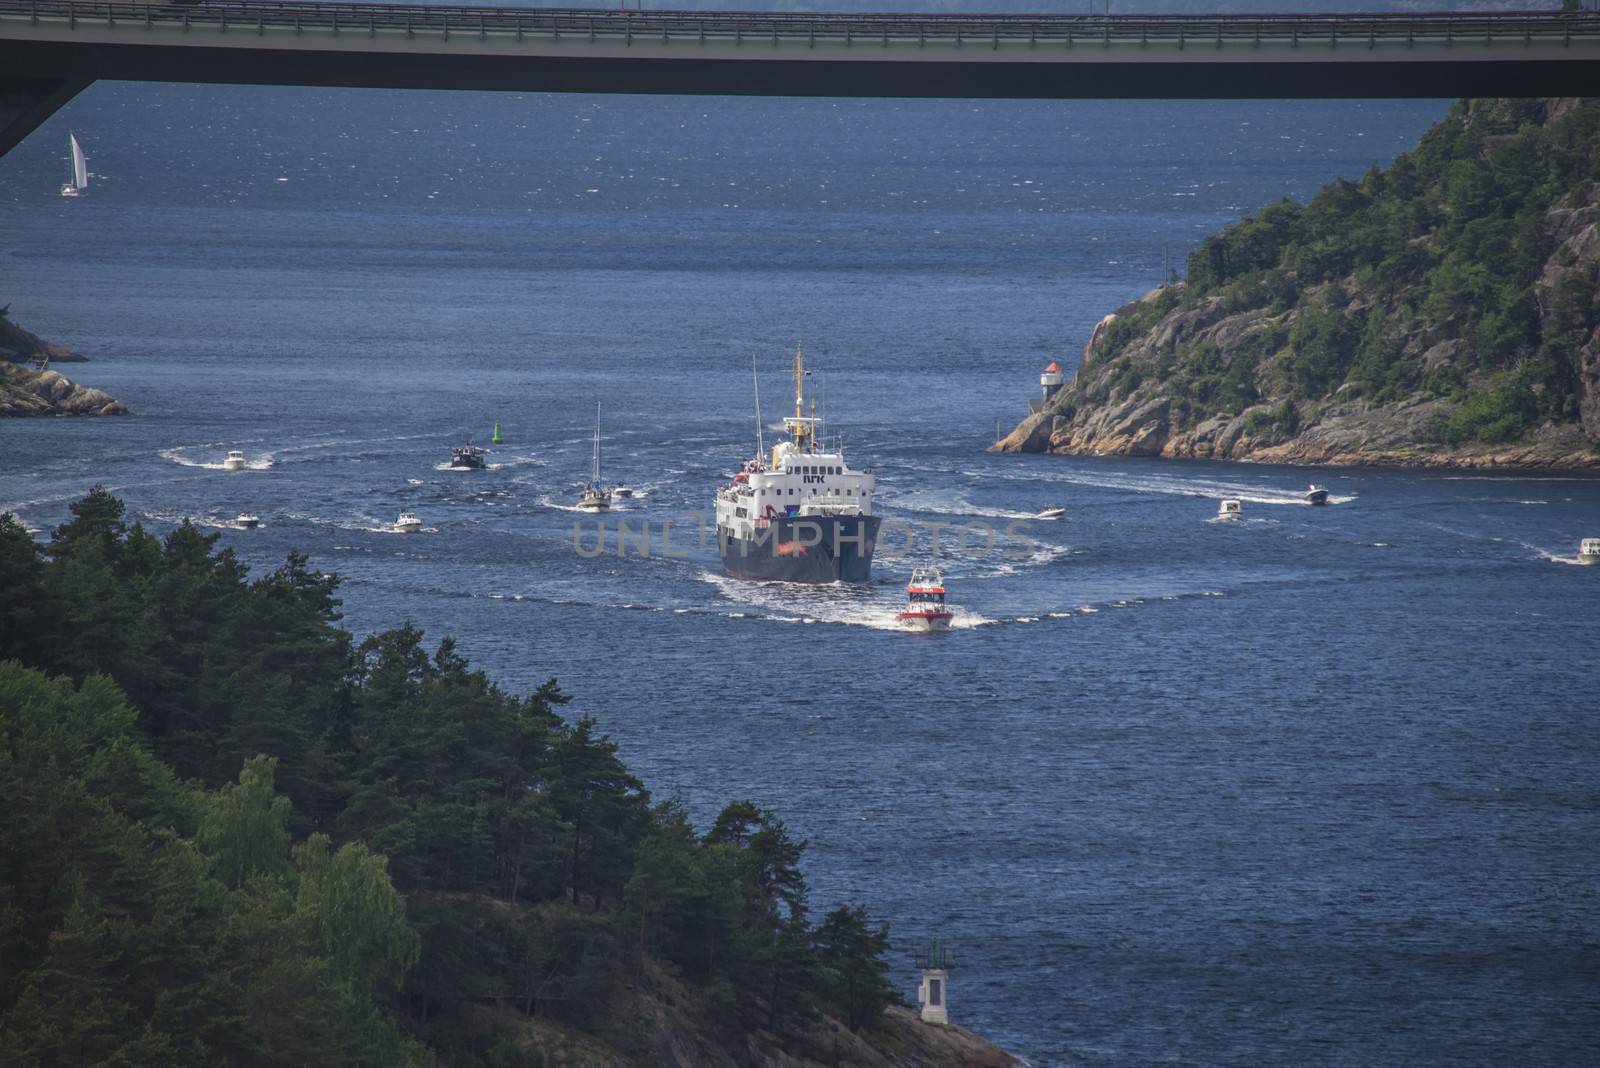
28 391
1351 433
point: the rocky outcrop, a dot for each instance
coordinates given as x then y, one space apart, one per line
669 1026
20 346
1404 370
27 390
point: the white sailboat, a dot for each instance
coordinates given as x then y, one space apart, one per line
80 169
594 497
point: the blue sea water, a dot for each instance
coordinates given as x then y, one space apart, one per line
1314 788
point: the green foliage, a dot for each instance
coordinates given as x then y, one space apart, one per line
850 954
1498 414
1444 244
458 846
1324 342
121 946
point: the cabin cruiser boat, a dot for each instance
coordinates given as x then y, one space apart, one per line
1051 513
621 492
1230 509
1589 551
248 521
408 523
1316 495
925 610
466 458
234 461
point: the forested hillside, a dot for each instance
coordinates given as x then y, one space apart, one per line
1441 310
234 835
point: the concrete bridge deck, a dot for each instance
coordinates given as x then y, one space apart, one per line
49 49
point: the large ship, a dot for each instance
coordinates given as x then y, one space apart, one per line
802 514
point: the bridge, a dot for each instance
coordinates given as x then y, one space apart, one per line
51 49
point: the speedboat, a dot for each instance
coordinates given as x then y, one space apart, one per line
925 608
234 461
248 521
408 523
1316 495
1589 551
1051 513
621 492
466 458
1231 509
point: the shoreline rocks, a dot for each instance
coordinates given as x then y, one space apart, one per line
25 391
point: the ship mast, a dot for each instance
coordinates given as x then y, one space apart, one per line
802 429
755 380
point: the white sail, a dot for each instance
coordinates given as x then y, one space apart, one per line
80 170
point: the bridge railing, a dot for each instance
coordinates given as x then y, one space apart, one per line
864 29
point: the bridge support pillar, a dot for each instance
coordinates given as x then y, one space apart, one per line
27 102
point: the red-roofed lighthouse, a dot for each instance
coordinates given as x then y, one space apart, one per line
1050 381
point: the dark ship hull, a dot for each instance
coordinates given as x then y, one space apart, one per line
813 548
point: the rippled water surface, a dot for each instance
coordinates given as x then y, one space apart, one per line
1315 787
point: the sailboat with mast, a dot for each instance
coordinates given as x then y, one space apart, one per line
595 498
80 169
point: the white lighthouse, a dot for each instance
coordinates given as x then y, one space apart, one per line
934 993
1049 386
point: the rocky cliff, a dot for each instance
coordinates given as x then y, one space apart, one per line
24 390
669 1025
1442 311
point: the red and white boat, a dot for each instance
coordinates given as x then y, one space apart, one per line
925 608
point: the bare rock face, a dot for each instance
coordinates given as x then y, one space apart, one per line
26 392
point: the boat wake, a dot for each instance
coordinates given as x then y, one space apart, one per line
260 463
950 504
852 606
1166 485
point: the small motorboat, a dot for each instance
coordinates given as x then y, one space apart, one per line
1051 513
621 492
1589 551
1230 509
408 523
925 610
247 521
466 458
234 461
1316 495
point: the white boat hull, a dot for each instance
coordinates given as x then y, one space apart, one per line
925 622
1588 558
233 465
